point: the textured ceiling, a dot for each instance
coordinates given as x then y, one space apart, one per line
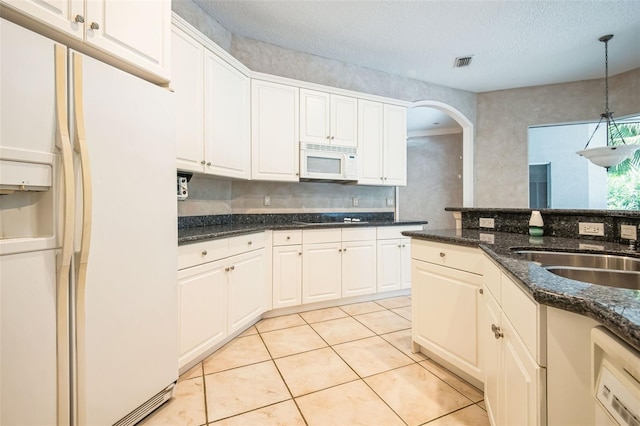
513 43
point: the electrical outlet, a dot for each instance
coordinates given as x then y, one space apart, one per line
591 228
389 202
267 200
487 222
628 232
354 201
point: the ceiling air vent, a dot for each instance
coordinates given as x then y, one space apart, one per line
462 61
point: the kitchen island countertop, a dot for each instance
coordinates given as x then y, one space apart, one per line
618 309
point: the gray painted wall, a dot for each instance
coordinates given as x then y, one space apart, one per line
434 177
504 118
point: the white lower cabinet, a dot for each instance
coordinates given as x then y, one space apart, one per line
222 286
394 257
287 268
338 263
358 273
515 378
321 271
445 318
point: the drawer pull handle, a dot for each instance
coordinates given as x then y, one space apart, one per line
497 333
204 252
442 254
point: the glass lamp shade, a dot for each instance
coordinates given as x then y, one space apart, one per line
608 156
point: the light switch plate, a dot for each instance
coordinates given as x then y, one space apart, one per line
591 228
354 201
628 232
267 200
487 222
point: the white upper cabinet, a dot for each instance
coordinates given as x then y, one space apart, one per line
395 145
226 119
136 32
274 132
328 118
187 82
212 110
382 135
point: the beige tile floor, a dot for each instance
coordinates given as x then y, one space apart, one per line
348 365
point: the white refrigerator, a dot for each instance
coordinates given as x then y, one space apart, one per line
88 256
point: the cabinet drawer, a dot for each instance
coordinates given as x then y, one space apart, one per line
315 236
458 257
526 316
198 253
392 232
287 238
246 243
358 234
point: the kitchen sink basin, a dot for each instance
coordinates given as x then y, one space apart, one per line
582 260
327 223
602 269
606 277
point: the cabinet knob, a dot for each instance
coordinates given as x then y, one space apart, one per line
227 269
403 246
399 245
385 178
79 19
340 250
203 162
208 163
204 252
299 253
442 254
328 137
232 268
481 291
332 137
297 174
288 238
344 249
95 26
497 333
249 242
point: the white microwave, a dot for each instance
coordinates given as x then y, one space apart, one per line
328 162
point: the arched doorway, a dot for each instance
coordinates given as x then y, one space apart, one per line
439 164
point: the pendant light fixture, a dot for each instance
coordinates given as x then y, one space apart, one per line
609 155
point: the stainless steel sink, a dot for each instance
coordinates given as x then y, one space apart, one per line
583 260
602 269
606 277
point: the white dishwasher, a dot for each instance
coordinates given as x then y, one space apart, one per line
615 379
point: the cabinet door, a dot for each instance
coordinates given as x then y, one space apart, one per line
187 81
370 142
321 272
60 14
344 121
522 382
136 31
395 145
358 276
405 262
246 288
287 276
275 132
314 116
446 321
389 265
492 354
227 125
203 309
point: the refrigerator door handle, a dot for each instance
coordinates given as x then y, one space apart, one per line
80 146
64 258
82 256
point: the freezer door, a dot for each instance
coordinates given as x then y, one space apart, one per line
127 309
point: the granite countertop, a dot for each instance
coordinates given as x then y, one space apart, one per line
617 309
203 233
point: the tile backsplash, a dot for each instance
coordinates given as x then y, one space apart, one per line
211 196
